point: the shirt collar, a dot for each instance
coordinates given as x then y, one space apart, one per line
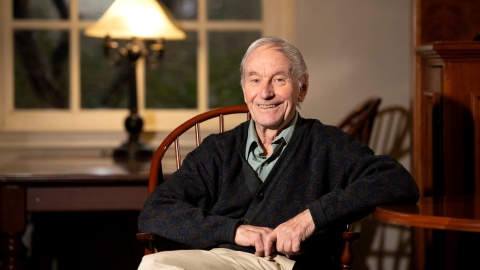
286 133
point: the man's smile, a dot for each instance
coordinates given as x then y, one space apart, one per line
266 106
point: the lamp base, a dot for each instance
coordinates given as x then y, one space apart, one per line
133 150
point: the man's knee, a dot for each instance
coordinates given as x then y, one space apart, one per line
160 260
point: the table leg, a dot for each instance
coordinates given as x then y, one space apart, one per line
12 226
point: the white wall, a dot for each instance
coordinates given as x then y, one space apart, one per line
356 49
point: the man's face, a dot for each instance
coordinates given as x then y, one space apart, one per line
268 89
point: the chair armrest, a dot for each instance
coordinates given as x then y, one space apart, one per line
350 236
149 239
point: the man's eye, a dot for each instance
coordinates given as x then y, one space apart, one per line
279 81
255 80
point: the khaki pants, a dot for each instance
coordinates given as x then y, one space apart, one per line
215 259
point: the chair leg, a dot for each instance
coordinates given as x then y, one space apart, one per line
347 254
347 257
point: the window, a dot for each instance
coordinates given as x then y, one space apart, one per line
54 78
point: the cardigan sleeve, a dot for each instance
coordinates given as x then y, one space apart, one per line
180 208
365 181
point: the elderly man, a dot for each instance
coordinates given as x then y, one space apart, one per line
270 193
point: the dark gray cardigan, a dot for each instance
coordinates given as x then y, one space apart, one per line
322 168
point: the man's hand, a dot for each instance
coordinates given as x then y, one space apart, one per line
290 234
247 235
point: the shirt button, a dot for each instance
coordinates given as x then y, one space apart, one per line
260 196
265 164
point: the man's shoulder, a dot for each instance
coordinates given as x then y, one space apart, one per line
315 126
316 132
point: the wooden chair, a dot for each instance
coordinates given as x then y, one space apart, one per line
358 123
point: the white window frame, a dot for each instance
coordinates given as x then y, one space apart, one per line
278 20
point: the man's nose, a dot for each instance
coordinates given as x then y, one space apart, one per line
267 91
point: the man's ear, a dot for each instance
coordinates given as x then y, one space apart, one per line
244 97
303 90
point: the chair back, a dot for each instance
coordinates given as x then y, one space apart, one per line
174 138
359 122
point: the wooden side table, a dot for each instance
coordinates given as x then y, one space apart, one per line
449 226
52 181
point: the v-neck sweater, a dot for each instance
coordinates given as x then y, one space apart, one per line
323 169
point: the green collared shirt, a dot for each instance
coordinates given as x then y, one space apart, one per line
264 164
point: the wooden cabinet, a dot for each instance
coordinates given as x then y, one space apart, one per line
435 20
446 143
446 117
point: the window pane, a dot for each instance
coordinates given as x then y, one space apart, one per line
226 50
40 9
41 69
174 83
234 9
103 85
182 9
93 9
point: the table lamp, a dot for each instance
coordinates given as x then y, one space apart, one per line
135 21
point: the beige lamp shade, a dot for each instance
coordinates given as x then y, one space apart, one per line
126 19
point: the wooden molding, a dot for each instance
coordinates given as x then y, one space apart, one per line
475 109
